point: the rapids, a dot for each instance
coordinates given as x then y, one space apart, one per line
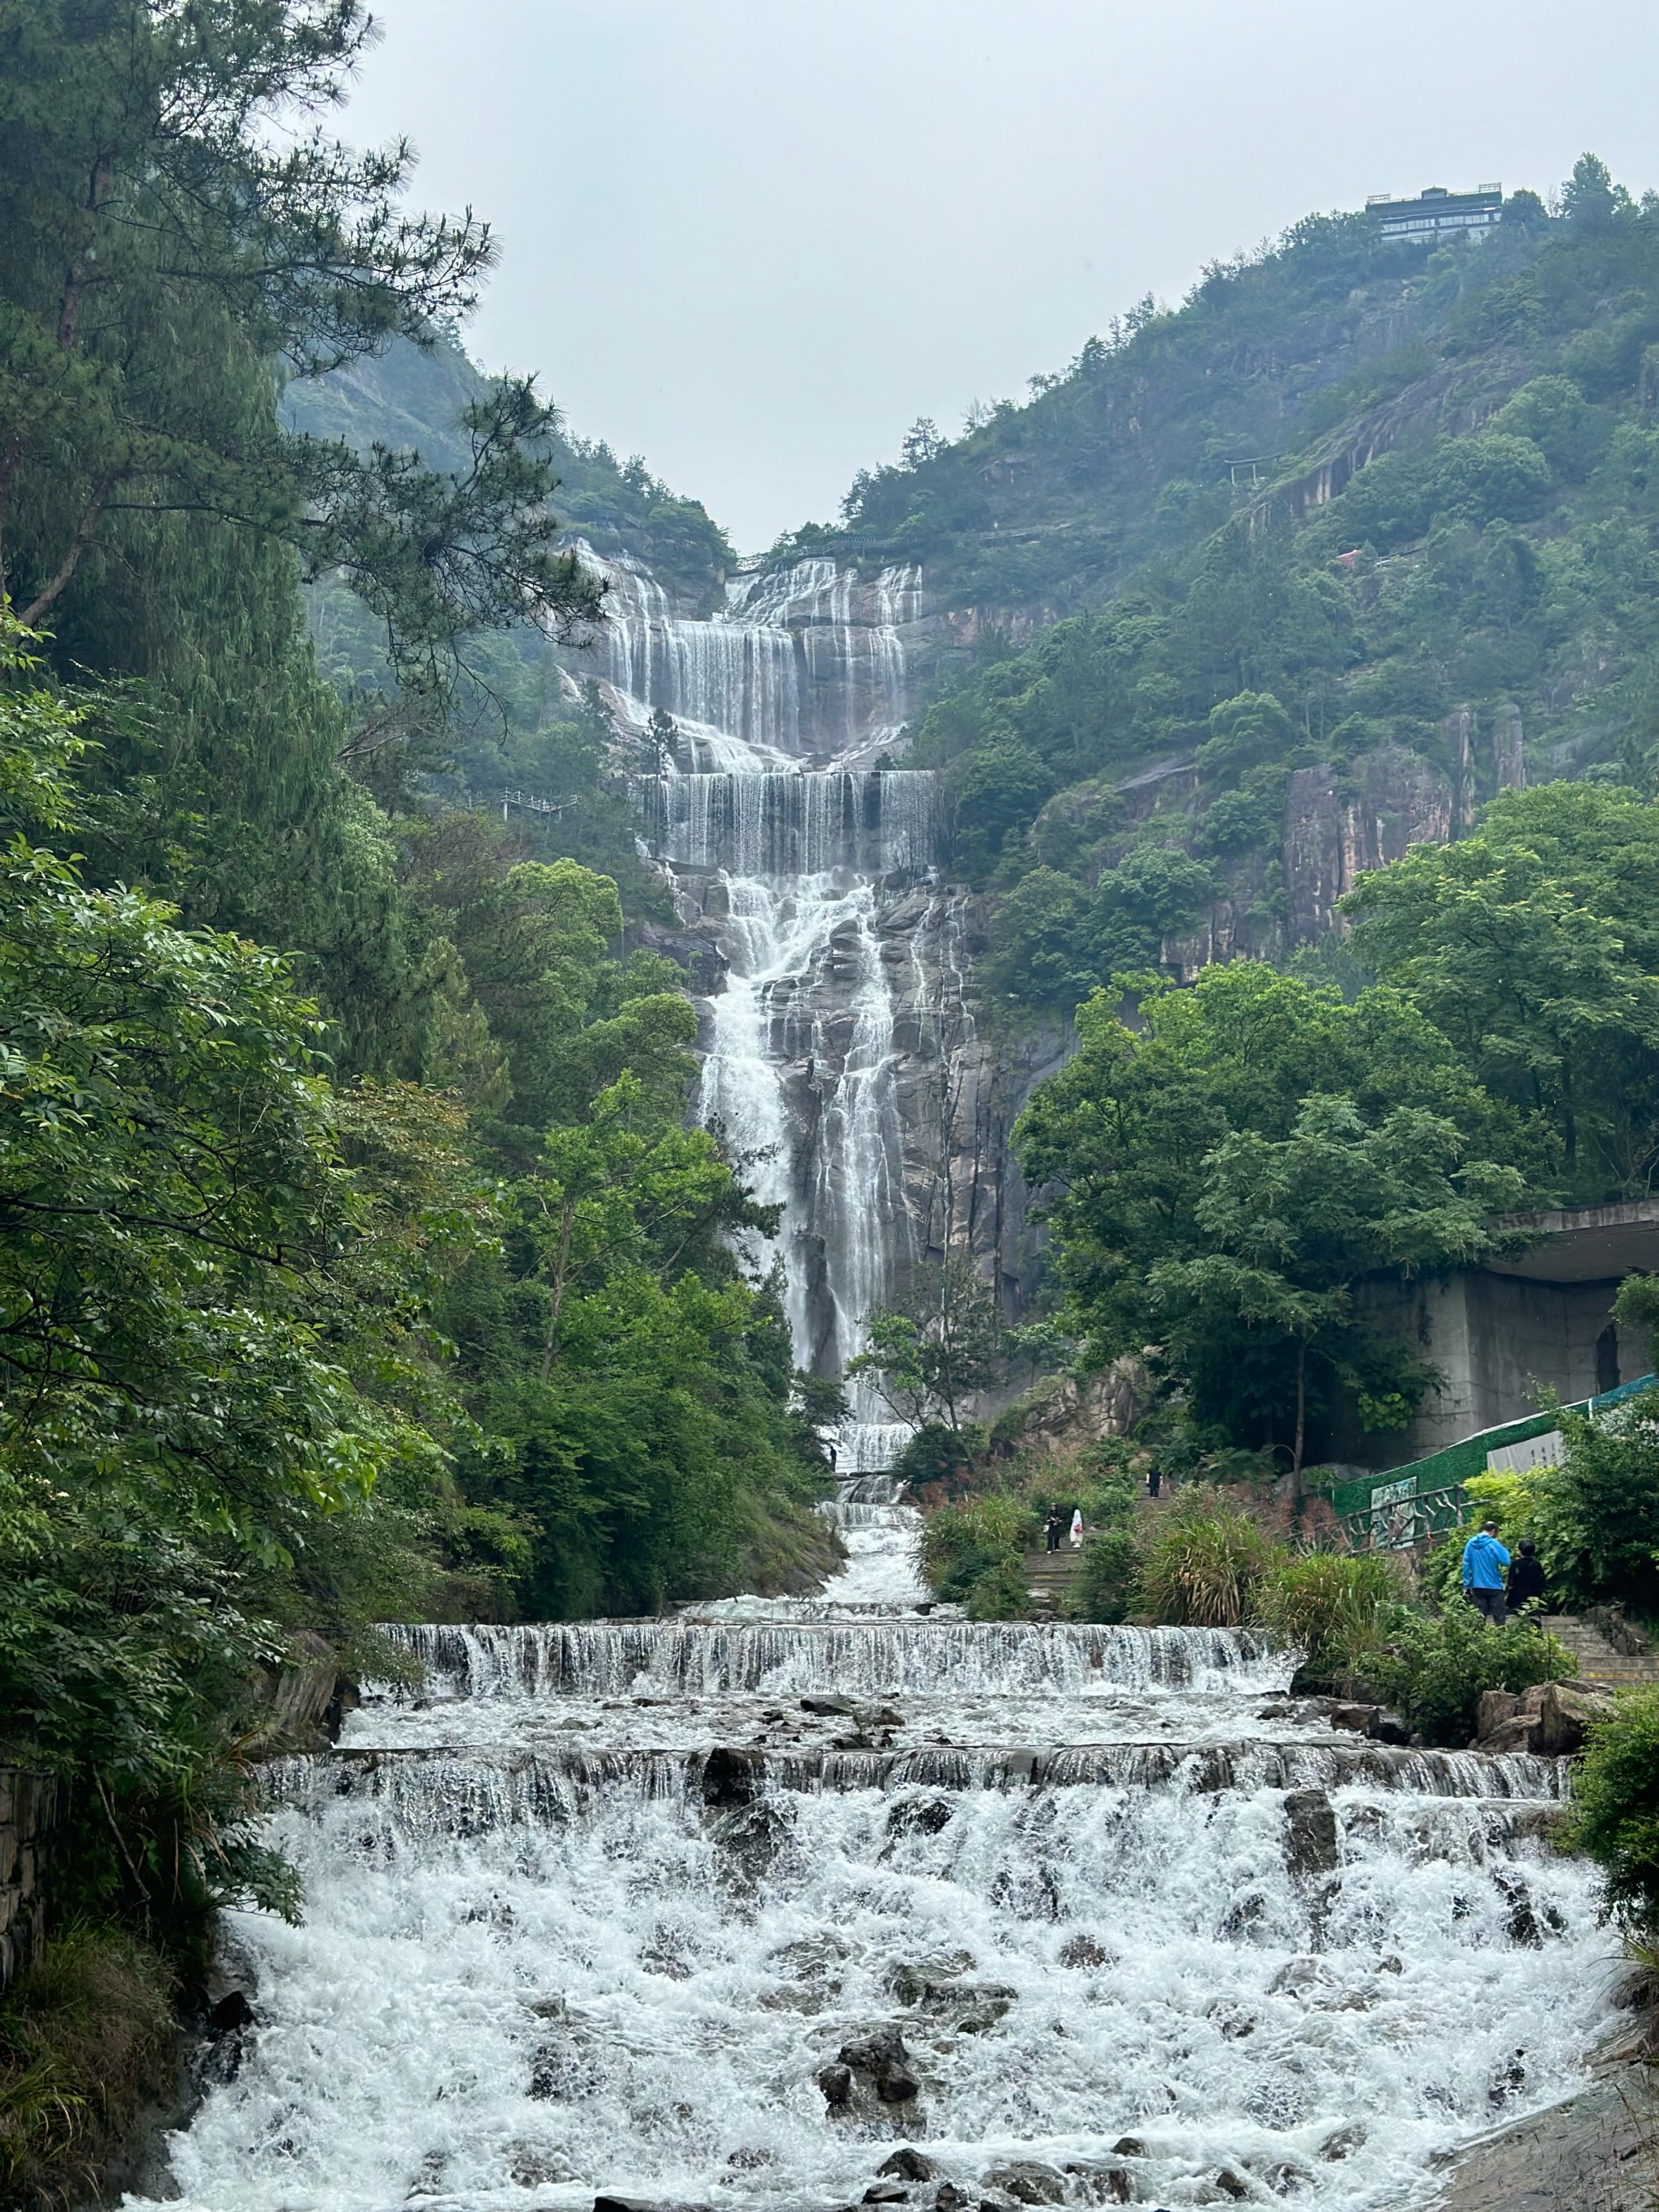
593 1909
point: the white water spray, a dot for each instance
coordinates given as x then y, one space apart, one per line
604 1905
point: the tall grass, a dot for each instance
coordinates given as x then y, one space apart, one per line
85 2036
1329 1604
1204 1567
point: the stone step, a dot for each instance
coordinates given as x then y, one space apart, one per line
1598 1660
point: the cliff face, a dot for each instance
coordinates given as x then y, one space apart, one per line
1339 825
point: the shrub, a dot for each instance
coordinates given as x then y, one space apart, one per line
1432 1668
1107 1586
1203 1567
1327 1603
1001 1595
1616 1810
937 1454
975 1540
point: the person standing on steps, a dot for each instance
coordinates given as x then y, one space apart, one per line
1053 1527
1484 1562
1526 1590
1154 1480
1077 1528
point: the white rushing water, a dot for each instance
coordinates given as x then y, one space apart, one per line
1134 1913
722 1909
779 828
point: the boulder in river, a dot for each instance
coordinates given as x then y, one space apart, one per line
1028 2181
1311 1845
871 2070
1343 2143
908 2164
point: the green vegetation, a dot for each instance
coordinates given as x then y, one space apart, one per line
85 2037
1221 1179
1432 1667
355 1261
1456 539
1616 1810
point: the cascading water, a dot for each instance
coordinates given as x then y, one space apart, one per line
723 1911
785 840
728 1909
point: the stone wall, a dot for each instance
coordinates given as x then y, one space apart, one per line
28 1806
1495 1339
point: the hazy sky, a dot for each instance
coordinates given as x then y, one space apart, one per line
753 240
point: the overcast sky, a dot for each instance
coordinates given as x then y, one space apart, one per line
753 240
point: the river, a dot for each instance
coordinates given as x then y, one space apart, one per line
728 1909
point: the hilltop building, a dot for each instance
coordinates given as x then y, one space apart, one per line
1436 213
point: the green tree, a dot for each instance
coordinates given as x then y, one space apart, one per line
209 1352
164 229
994 792
1200 1199
931 1355
1535 947
1289 1231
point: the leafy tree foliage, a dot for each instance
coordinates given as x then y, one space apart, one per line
1535 947
152 213
203 1360
931 1355
1616 1810
1220 1179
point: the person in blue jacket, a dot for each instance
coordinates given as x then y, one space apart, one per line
1485 1561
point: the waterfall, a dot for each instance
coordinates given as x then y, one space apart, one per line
719 1912
787 844
728 1909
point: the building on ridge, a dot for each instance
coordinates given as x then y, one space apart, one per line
1436 213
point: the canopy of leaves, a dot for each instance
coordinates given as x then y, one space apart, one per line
1221 1178
1535 947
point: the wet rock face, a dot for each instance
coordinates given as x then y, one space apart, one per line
1311 1847
871 2075
1338 825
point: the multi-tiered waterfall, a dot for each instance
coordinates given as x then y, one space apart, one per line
795 848
770 1912
788 1905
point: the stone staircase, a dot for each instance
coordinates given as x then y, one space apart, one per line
1598 1660
1048 1578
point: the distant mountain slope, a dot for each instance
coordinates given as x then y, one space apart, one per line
1138 445
1439 578
409 397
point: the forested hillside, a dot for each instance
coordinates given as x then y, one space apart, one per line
357 1261
1356 737
1439 584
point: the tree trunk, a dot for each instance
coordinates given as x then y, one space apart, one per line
550 1344
1300 1417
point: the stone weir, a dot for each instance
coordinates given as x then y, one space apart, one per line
785 1916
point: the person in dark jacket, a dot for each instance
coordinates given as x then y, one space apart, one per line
1054 1527
1526 1580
